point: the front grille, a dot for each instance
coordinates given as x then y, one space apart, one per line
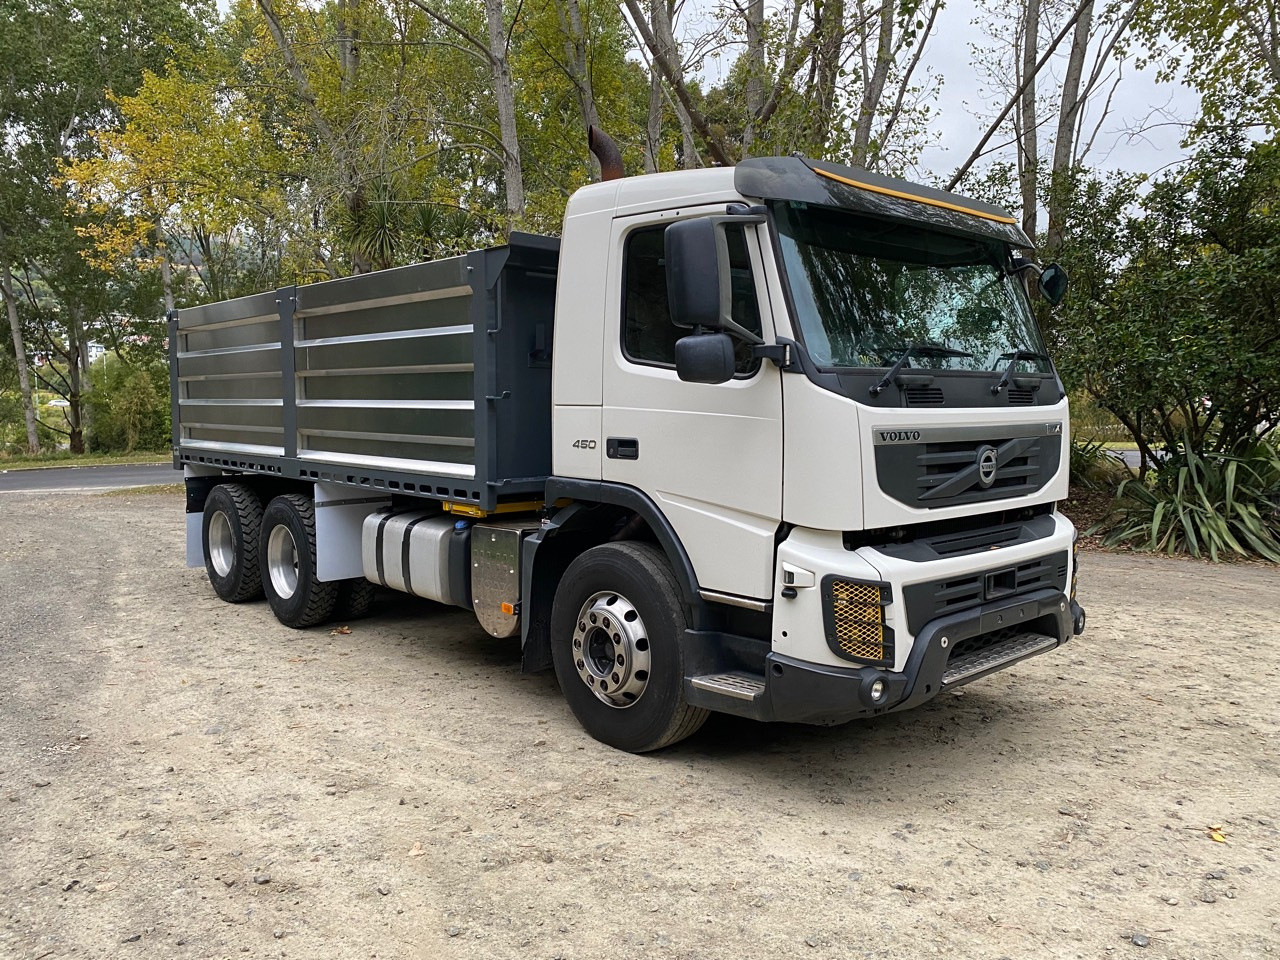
940 472
938 598
945 468
853 615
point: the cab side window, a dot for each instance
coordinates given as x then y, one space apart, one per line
648 335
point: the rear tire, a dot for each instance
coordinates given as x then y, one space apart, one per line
287 558
355 598
229 535
617 623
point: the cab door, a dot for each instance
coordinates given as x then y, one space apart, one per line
709 455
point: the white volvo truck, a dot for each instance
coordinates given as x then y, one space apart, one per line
780 440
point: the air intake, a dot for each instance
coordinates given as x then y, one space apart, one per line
853 616
1021 397
929 396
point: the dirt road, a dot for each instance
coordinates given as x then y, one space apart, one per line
183 778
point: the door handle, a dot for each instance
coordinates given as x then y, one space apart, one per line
622 448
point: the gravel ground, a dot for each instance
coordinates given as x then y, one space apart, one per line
183 778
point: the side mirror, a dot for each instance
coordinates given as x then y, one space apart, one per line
696 293
1053 284
705 358
699 276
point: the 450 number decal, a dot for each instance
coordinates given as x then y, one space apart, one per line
584 444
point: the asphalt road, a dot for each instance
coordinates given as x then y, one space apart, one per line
87 479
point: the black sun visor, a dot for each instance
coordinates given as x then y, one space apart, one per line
831 185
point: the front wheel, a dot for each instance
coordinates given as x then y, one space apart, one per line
288 562
616 626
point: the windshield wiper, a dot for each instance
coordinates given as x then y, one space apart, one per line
921 348
1013 358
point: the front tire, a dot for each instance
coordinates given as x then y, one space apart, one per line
616 626
287 557
229 535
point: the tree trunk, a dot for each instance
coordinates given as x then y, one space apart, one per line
504 94
873 85
755 72
1064 141
830 28
575 54
76 354
662 15
653 128
1029 147
348 51
19 351
166 269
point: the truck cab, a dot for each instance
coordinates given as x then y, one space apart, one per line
780 440
897 534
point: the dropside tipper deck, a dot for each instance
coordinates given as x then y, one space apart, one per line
432 379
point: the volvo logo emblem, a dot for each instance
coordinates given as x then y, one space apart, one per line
986 466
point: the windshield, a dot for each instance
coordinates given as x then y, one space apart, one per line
865 290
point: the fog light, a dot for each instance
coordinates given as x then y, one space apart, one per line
877 691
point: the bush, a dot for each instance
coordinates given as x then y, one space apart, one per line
129 407
1203 504
1095 467
1091 422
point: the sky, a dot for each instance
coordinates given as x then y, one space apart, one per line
965 109
965 106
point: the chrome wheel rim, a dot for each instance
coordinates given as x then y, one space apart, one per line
611 649
282 561
222 544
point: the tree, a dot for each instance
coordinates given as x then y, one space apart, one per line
815 75
19 352
1176 298
63 57
1092 60
1229 50
190 172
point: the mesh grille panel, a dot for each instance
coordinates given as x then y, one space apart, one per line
856 613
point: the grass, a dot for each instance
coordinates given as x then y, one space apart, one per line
64 459
159 488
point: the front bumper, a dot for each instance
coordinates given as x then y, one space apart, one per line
947 653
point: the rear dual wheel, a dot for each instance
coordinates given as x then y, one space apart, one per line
250 552
230 530
287 558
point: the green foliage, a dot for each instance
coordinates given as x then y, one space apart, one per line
129 406
1089 421
1094 466
63 62
1172 317
1228 51
1224 503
